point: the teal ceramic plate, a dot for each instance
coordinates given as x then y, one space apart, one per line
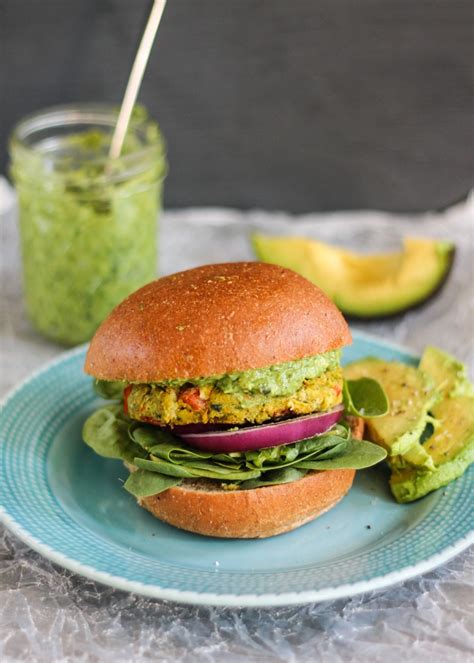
69 505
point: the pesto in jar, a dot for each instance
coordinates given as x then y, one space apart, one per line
87 225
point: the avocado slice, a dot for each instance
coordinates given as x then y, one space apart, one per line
451 446
449 374
412 394
364 286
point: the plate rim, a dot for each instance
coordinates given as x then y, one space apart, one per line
209 598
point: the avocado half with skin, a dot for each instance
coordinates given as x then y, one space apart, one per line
364 286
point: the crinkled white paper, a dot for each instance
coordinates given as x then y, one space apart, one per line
48 614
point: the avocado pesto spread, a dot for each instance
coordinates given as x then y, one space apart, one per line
277 380
88 225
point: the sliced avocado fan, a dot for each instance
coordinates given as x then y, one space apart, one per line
364 286
429 430
451 445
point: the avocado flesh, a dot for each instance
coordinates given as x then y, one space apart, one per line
365 286
412 395
419 467
454 430
409 485
449 374
451 446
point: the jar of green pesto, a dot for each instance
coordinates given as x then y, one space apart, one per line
88 225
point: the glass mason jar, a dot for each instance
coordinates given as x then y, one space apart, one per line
88 225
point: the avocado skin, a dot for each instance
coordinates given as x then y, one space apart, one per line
270 249
421 303
352 317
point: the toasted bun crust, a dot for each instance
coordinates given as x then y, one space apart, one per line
213 320
248 514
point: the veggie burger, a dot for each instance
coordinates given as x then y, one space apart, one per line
226 398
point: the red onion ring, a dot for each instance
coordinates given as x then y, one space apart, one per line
263 435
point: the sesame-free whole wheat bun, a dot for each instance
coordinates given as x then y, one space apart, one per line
213 320
250 514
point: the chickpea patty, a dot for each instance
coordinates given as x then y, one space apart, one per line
192 404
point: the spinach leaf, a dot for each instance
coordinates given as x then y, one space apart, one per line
357 455
332 452
289 453
110 390
212 471
161 466
274 478
174 453
305 450
365 398
106 432
206 471
272 455
143 484
149 436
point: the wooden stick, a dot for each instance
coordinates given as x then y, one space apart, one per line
135 78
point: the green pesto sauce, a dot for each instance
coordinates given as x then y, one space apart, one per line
88 230
277 380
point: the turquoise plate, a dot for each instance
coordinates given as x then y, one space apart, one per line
69 505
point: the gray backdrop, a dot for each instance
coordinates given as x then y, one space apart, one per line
301 104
